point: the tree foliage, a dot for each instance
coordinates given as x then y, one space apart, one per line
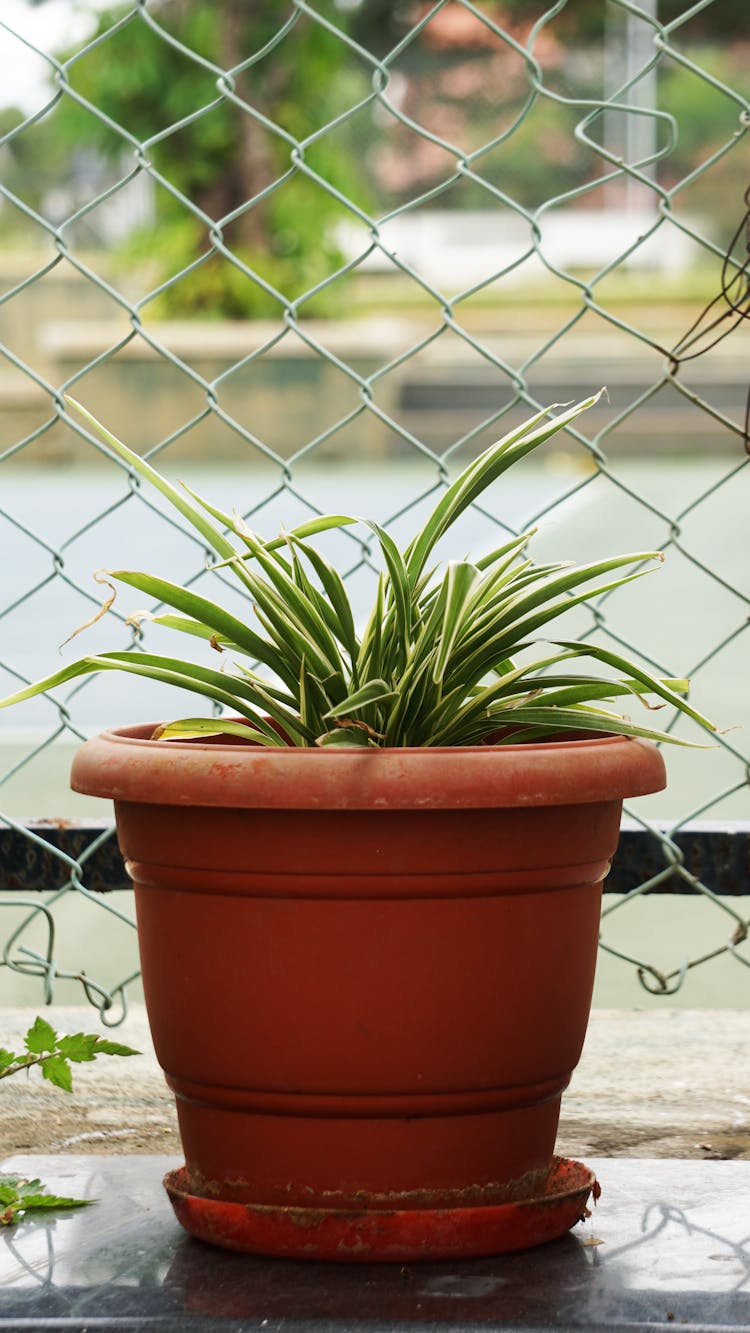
468 86
249 192
379 21
267 204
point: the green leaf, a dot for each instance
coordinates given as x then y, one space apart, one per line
373 692
666 689
580 719
283 594
478 654
521 611
210 534
573 576
56 1069
369 659
291 724
190 728
234 692
32 1202
475 479
184 625
455 710
230 521
202 610
345 738
305 710
398 586
510 549
19 1196
419 673
80 1047
106 1047
7 1058
459 581
333 586
40 1037
310 528
323 523
319 600
290 641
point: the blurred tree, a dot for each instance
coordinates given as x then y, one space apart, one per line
234 162
378 22
467 85
30 161
154 70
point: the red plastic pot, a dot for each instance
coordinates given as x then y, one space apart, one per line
368 973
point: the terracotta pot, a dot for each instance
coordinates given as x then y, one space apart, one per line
368 973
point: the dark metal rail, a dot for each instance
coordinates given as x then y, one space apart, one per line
716 854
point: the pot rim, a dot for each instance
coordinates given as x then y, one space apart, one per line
124 764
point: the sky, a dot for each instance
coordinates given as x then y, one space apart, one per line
49 27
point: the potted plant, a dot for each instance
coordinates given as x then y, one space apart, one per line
368 900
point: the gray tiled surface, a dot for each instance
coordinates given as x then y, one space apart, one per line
669 1244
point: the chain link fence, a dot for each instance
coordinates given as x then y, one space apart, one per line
312 261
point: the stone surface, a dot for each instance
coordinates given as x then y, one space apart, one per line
666 1245
670 1084
667 1084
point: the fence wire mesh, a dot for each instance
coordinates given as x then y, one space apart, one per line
330 251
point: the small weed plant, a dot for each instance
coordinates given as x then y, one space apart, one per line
54 1055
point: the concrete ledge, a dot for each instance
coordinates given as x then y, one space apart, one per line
666 1084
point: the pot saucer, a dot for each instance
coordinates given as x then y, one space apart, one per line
401 1236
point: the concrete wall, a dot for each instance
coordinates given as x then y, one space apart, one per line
277 395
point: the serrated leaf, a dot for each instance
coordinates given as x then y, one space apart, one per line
79 1047
34 1201
84 1046
106 1047
19 1196
56 1069
7 1058
40 1037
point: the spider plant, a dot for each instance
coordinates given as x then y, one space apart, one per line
452 655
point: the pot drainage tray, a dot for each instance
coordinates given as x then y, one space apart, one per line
377 1236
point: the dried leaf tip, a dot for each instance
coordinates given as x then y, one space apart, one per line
103 609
